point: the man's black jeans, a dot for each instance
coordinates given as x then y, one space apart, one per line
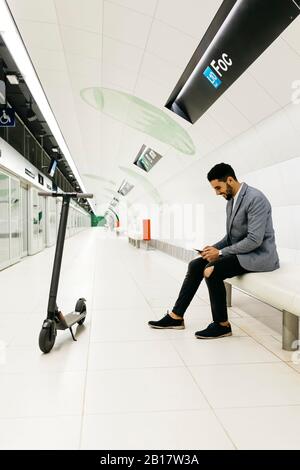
224 267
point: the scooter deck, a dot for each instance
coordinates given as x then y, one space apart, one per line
66 321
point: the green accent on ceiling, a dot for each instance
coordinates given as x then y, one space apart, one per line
97 220
140 115
144 183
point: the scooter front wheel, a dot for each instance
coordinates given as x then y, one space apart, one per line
47 338
81 308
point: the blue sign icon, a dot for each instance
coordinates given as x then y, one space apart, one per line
7 117
212 77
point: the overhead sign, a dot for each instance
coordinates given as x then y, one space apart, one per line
147 158
7 117
239 33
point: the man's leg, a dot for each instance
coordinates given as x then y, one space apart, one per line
215 273
189 287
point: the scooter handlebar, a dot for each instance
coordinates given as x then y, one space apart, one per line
72 195
45 193
85 195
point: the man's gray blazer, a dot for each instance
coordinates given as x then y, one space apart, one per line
250 232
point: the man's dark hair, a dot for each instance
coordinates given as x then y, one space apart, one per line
221 172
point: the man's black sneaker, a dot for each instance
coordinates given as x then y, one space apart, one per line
214 330
167 322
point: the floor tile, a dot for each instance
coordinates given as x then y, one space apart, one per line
231 350
274 345
132 355
118 300
47 394
254 327
197 429
142 390
295 364
66 356
227 386
263 428
123 325
40 433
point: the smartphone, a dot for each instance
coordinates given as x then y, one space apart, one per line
199 251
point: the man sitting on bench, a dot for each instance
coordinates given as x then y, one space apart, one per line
248 246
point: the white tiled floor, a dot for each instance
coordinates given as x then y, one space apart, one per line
123 385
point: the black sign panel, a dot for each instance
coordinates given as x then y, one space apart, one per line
29 173
240 32
147 158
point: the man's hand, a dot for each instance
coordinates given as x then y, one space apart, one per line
210 253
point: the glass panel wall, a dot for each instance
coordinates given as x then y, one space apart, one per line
52 221
15 229
4 220
41 219
24 221
34 227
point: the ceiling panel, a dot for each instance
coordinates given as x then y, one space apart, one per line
251 99
152 91
171 45
77 41
292 35
121 54
31 33
83 67
146 7
35 10
211 130
118 78
276 69
202 143
191 16
159 70
293 114
229 117
80 14
126 25
50 60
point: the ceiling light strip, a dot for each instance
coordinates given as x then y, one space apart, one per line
14 42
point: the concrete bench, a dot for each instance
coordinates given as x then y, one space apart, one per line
135 238
279 289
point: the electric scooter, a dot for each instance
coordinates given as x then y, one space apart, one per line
55 319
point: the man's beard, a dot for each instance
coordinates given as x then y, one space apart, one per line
229 194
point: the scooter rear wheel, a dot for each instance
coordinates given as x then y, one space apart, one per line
47 339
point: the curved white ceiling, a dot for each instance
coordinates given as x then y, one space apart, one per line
140 48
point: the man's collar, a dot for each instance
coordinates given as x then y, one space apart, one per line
238 191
